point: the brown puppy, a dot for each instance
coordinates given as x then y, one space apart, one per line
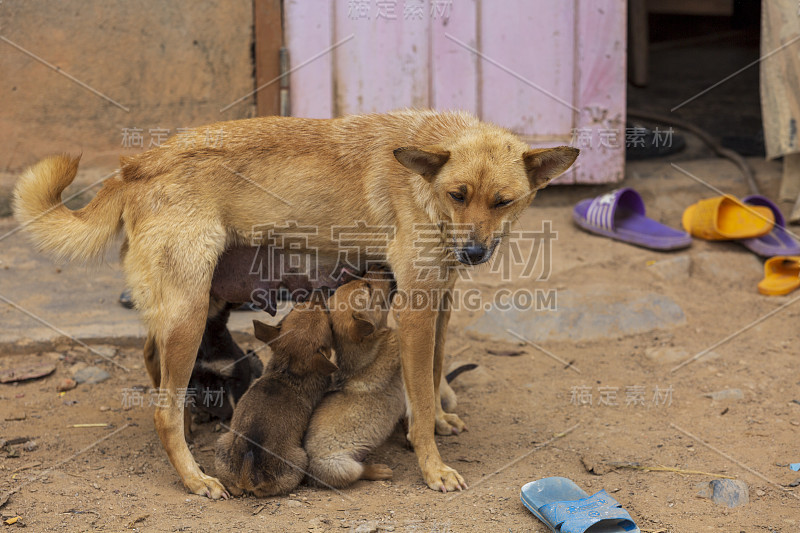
440 188
263 451
354 420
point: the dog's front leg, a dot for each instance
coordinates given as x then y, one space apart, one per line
417 332
446 423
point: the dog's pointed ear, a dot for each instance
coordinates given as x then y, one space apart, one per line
545 164
363 325
322 364
265 332
425 161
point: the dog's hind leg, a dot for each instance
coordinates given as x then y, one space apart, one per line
171 282
153 365
178 340
151 360
447 395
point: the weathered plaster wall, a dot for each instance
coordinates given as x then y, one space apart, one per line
172 64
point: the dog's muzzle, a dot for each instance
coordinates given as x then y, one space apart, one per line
474 253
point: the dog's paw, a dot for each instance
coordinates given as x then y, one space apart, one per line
449 424
208 486
444 479
376 472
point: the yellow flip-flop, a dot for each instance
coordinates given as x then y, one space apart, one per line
727 218
781 275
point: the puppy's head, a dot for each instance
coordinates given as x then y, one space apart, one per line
302 343
361 307
481 181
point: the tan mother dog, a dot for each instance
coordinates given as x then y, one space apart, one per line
184 203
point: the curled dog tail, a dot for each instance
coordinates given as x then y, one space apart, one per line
248 477
83 234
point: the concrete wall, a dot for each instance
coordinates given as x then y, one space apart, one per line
171 64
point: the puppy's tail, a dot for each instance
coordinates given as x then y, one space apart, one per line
67 235
248 477
460 370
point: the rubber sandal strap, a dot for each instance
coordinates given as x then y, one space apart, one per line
578 516
757 199
601 211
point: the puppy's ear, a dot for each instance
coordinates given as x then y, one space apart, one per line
320 363
426 161
362 325
545 164
265 332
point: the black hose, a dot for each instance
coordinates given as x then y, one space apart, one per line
706 137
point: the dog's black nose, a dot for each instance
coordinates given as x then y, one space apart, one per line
474 253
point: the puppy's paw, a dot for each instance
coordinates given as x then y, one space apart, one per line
449 424
376 472
208 486
444 479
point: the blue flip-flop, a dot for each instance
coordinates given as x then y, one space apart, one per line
620 215
778 241
566 508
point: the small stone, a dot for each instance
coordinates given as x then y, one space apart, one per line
368 527
77 367
292 503
104 350
677 267
594 464
91 375
760 492
66 384
30 446
728 492
105 408
95 485
726 394
666 354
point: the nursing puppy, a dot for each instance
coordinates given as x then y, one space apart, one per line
263 451
222 371
354 420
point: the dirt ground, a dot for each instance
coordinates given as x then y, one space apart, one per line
528 415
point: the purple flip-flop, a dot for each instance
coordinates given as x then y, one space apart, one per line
620 215
776 242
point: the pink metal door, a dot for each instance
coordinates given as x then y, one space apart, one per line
552 71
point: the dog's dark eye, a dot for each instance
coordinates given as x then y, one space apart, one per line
457 196
502 203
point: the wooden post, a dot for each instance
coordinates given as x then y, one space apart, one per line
268 41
